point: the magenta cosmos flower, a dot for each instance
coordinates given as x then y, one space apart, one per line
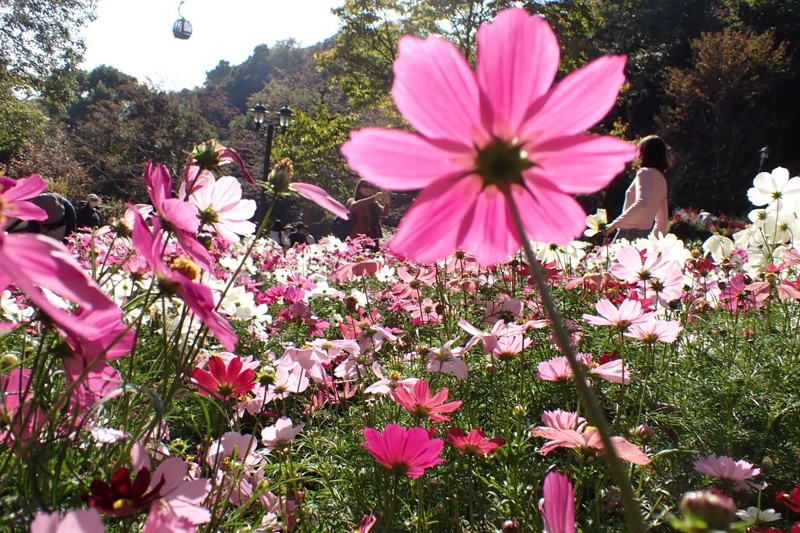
403 451
224 381
474 442
558 504
492 136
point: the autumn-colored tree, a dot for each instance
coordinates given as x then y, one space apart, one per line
722 111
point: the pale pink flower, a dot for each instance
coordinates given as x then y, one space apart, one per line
555 369
448 360
311 359
281 434
220 207
387 384
558 504
654 331
14 196
490 339
234 446
639 266
566 430
492 136
77 521
629 312
739 473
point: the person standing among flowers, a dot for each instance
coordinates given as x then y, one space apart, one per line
645 210
367 208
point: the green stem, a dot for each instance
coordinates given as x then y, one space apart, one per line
593 410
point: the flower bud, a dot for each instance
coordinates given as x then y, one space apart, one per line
281 176
520 410
8 360
491 368
715 509
767 463
644 432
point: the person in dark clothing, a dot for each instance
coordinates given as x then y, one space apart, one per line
299 236
59 222
89 215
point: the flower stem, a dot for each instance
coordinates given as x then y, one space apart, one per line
593 411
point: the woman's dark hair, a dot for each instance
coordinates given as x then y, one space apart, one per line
652 153
357 194
277 225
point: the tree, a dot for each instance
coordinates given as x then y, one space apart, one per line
40 47
722 111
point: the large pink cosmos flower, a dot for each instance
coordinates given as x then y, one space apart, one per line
403 451
221 208
493 136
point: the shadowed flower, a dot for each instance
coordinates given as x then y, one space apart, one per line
474 443
558 504
403 451
418 401
224 381
211 155
738 473
490 137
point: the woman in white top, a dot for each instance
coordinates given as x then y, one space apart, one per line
645 211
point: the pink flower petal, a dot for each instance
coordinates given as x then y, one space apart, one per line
558 508
381 157
436 92
548 214
578 102
518 59
319 196
443 206
583 163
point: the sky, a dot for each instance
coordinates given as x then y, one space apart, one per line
135 36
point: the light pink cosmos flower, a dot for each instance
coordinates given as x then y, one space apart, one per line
386 384
492 136
653 331
221 208
403 451
14 195
564 429
558 504
281 434
559 369
448 360
629 312
77 521
739 473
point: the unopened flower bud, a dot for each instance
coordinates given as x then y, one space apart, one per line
644 432
510 526
281 176
767 463
8 360
520 410
716 510
491 368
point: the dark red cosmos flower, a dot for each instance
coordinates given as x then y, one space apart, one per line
123 496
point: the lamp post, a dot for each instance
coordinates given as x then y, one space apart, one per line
261 117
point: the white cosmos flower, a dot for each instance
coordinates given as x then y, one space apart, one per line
719 246
220 207
756 516
775 189
596 223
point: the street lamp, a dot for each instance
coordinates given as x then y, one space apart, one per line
261 116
